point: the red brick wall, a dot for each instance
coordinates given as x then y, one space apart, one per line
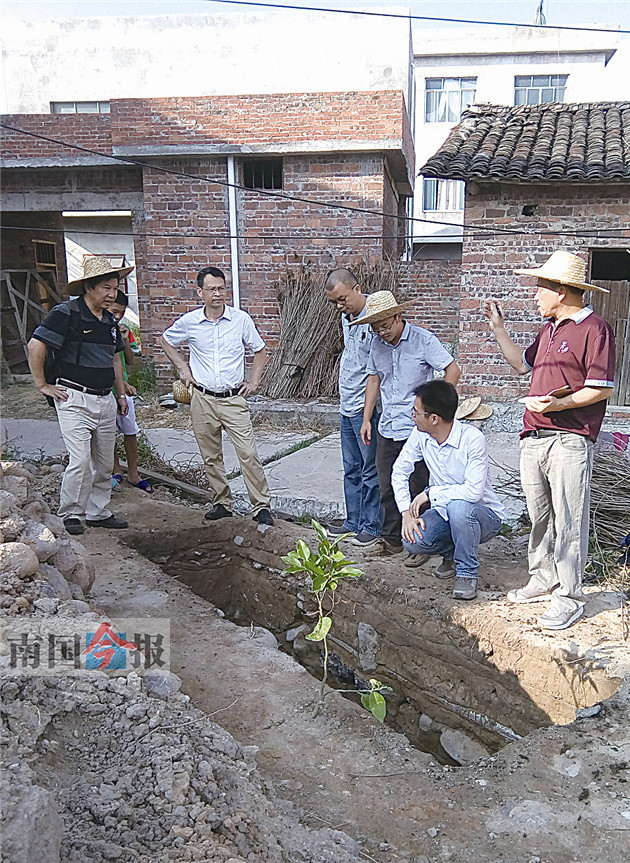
488 262
436 285
87 130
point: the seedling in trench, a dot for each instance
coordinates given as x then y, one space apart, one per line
326 569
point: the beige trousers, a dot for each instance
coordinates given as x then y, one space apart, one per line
88 426
209 416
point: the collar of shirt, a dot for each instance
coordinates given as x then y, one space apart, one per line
226 315
404 337
453 439
576 317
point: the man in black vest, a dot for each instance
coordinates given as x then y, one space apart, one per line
87 345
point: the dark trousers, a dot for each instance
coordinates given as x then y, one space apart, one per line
387 451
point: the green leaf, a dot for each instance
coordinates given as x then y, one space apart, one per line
377 706
303 550
318 582
365 700
350 572
321 629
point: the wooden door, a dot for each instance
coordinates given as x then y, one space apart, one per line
615 308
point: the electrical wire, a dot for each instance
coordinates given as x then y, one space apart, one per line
487 231
409 17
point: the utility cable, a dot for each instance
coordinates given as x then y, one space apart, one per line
286 196
409 17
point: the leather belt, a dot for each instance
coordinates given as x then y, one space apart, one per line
82 389
223 395
536 433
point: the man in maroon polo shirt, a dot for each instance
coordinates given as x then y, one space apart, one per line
572 364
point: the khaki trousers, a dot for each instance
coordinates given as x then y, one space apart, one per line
88 426
209 416
556 478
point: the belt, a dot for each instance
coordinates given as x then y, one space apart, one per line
83 389
536 433
223 395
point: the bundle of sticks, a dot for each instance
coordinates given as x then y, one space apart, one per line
610 495
305 364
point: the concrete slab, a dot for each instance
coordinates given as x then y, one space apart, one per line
32 437
179 447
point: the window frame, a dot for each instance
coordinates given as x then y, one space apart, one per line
102 107
455 99
532 91
266 173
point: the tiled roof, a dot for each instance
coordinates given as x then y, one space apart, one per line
550 142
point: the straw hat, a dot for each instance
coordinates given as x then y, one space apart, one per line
472 409
381 305
97 267
565 269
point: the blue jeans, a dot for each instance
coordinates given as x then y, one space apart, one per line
360 480
468 525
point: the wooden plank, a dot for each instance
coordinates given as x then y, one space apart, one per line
48 288
17 315
174 483
615 308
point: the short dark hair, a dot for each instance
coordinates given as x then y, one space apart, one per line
215 272
340 276
121 299
438 397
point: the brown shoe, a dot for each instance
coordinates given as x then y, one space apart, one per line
416 559
383 548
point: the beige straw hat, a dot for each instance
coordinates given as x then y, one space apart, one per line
97 267
381 305
565 269
472 409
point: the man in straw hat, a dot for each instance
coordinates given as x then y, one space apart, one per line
360 479
401 357
217 336
463 509
572 364
84 342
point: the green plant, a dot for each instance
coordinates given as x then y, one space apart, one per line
326 570
142 376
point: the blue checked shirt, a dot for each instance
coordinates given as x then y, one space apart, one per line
402 368
353 375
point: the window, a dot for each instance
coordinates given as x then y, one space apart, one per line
446 98
535 89
262 173
79 107
442 195
45 255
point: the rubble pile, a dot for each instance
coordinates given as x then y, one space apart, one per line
97 767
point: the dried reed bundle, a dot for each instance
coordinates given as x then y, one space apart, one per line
306 362
610 496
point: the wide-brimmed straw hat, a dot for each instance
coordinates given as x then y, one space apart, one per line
97 267
381 305
472 409
565 269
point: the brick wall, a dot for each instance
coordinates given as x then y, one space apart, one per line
87 130
436 285
488 262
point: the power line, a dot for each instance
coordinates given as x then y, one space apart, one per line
489 231
366 13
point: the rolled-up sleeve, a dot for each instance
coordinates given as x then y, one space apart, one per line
473 486
177 333
403 468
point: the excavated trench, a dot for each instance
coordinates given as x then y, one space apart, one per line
444 675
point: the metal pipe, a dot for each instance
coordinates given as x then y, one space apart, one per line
231 177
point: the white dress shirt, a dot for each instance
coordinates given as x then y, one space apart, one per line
217 348
458 469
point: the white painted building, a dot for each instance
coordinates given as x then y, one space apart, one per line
454 68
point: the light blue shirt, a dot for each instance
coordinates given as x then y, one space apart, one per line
458 469
402 368
353 375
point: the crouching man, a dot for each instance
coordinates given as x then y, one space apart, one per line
463 509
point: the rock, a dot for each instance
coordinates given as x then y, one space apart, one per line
36 509
65 559
368 645
264 636
17 486
56 580
588 712
462 748
292 634
14 468
12 526
42 540
75 607
238 540
55 524
76 592
162 683
57 468
7 503
83 574
46 605
425 722
32 829
19 559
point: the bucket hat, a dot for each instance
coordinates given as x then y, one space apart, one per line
381 305
565 269
97 267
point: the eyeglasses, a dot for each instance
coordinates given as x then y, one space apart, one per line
415 413
215 290
383 326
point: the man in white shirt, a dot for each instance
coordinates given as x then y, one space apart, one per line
217 336
463 509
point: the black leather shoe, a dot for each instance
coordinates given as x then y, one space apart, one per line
263 517
112 523
218 511
74 526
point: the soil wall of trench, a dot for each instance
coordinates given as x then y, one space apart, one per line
463 666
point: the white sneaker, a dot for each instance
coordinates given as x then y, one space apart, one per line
522 595
554 619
